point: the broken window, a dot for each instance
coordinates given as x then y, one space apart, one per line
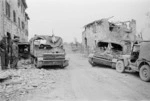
102 45
111 26
117 48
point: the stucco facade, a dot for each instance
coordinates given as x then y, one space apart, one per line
14 19
105 30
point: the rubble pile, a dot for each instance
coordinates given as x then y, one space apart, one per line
22 81
25 64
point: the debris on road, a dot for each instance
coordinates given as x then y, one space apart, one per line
4 75
76 82
25 80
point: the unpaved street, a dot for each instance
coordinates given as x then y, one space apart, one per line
79 82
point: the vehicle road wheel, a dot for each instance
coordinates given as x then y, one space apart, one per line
120 66
91 62
145 73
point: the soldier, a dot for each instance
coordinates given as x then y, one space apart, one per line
3 53
14 56
9 43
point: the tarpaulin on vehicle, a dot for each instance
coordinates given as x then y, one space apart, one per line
145 51
53 41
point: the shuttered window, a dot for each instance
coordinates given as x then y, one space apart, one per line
7 9
14 16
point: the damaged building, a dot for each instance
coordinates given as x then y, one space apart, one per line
14 19
105 30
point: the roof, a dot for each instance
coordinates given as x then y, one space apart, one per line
98 21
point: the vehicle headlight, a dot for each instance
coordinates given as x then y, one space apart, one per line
40 58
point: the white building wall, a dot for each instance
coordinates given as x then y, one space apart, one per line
1 19
9 25
95 32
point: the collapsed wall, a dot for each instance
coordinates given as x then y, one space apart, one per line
105 30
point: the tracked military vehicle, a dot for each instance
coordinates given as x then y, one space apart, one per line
48 51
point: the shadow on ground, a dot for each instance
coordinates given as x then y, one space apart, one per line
131 73
135 74
52 67
103 66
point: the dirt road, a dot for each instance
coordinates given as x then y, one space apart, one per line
101 83
82 82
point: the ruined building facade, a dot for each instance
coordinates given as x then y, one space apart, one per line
14 19
105 30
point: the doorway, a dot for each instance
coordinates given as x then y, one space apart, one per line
85 39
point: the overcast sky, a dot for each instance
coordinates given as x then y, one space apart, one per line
67 17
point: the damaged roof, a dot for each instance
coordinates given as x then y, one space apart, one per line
110 23
96 21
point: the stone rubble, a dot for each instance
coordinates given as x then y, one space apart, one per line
26 78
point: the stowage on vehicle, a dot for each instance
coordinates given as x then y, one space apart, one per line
106 53
138 60
48 51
